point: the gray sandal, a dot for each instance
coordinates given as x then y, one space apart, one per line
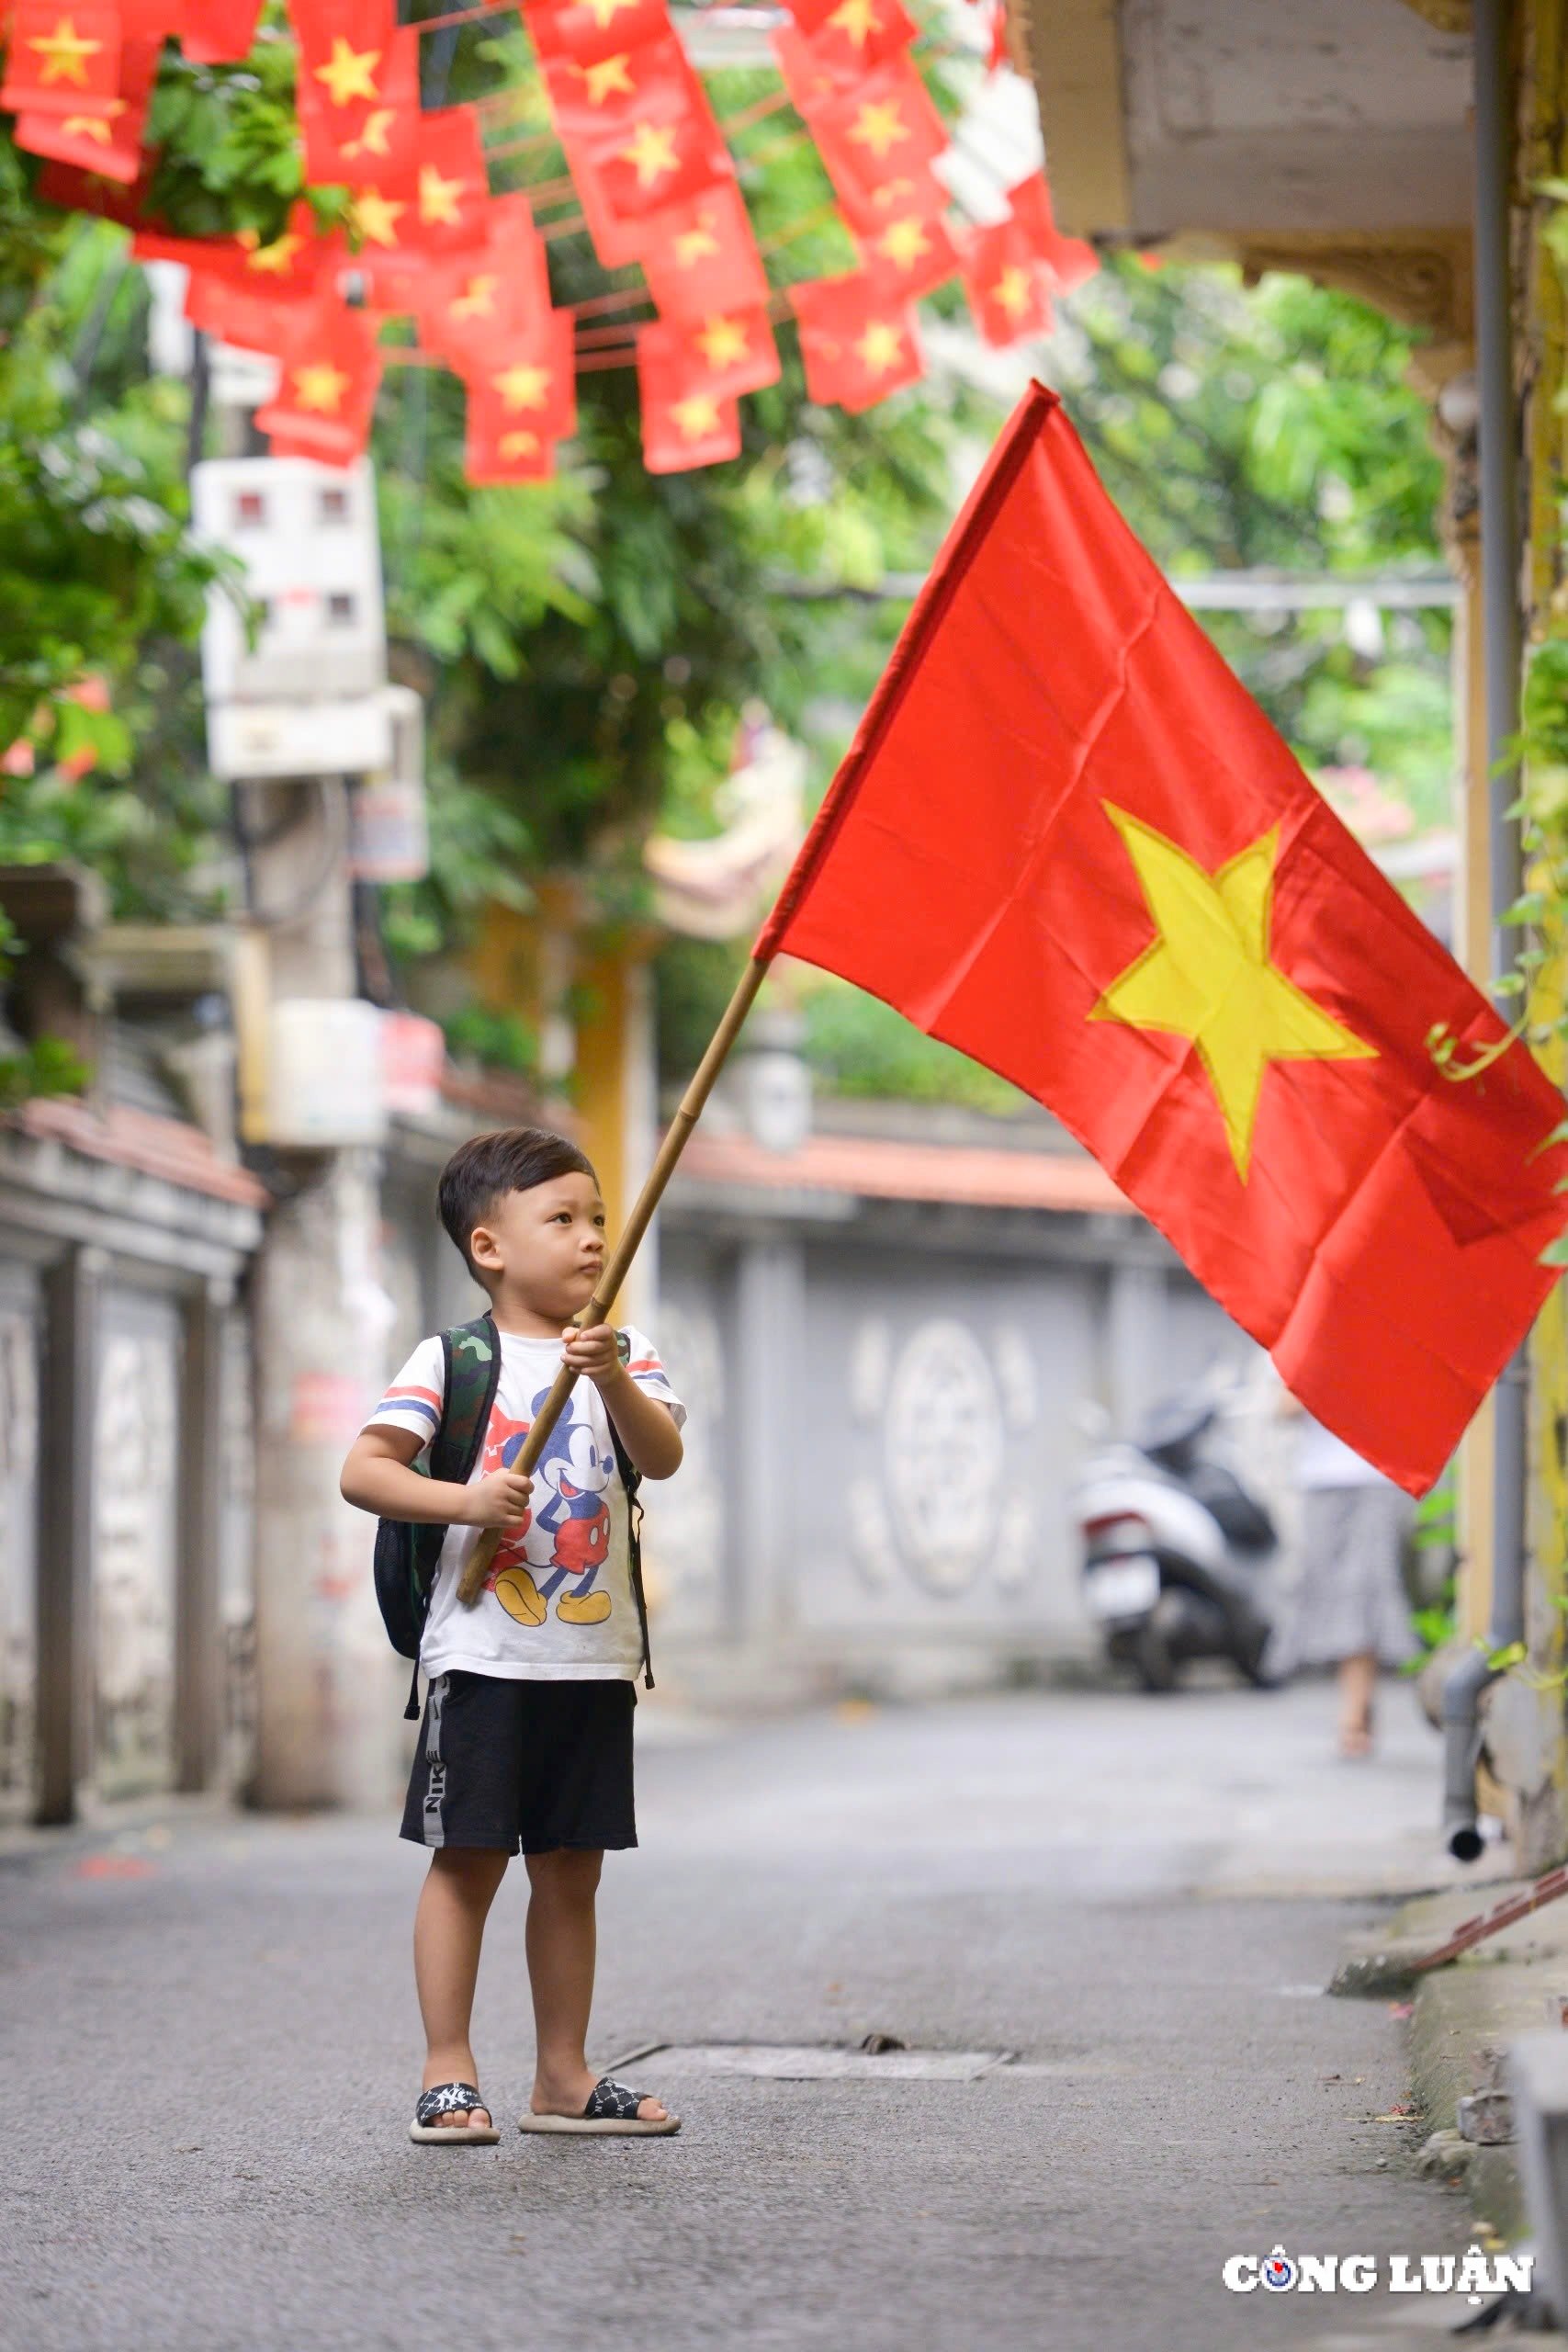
611 2108
450 2098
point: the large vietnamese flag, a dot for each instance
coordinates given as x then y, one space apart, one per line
1067 841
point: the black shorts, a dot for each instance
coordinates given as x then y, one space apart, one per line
531 1765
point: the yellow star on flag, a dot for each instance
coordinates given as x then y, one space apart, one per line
477 300
1011 293
610 78
440 201
602 11
373 138
693 246
856 19
277 259
349 73
696 415
880 347
522 387
62 54
722 341
1208 975
514 446
321 386
904 243
89 126
375 217
651 149
880 125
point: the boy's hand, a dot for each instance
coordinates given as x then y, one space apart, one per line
593 1353
498 1500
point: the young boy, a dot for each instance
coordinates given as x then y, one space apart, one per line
526 1740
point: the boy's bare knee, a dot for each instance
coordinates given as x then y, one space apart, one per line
569 1870
471 1868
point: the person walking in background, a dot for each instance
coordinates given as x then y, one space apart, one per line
1349 1609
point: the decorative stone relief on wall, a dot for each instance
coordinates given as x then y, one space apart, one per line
937 1510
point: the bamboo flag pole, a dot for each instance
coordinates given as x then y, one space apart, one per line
477 1566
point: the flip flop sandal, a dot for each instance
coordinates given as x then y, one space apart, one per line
611 2108
447 2099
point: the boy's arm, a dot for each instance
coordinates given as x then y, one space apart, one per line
377 1476
646 1428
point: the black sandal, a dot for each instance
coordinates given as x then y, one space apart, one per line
611 2108
449 2099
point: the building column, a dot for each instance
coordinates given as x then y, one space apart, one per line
762 1555
66 1505
328 1685
199 1651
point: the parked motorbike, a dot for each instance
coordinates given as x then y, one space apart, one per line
1173 1548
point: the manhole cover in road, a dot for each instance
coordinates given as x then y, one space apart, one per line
805 2062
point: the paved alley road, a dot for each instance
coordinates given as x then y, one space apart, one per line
208 2033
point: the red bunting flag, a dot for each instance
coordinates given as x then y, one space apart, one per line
357 92
326 390
909 254
857 346
73 189
1066 841
62 59
522 396
225 34
1006 284
599 101
451 206
846 37
1069 259
886 126
702 257
497 293
683 425
872 190
247 291
106 138
669 150
724 354
591 29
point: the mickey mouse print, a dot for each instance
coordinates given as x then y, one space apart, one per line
558 1603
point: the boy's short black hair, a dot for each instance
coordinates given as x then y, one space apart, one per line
509 1159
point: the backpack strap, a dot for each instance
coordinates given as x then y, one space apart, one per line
471 1365
631 1478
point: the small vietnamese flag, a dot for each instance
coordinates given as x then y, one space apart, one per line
327 382
1006 283
857 342
701 255
1069 259
684 423
1067 842
848 37
62 59
909 254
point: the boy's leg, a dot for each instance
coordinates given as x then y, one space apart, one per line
448 1927
561 1946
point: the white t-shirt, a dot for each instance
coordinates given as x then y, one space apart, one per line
558 1605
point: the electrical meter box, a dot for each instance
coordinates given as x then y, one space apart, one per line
307 698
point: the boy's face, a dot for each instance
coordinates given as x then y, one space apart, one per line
545 1245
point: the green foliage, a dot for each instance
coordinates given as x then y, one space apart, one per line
1273 427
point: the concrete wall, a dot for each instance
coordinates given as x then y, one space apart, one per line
886 1424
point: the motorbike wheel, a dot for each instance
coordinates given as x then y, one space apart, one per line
1249 1660
1152 1657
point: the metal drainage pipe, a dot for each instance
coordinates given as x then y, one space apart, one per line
1502 651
